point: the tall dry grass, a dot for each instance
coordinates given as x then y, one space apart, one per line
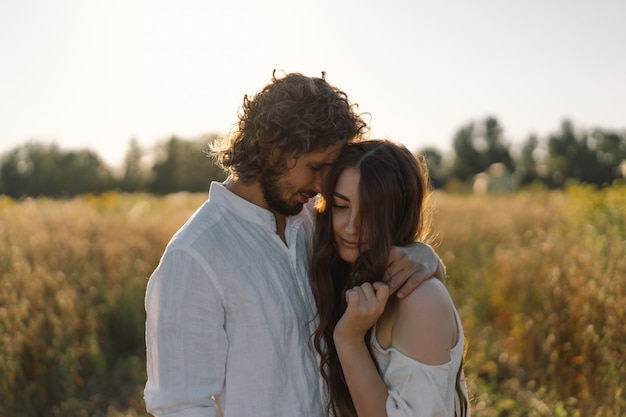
538 277
540 280
72 276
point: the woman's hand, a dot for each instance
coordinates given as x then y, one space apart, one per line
366 303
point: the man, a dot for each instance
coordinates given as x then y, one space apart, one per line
229 309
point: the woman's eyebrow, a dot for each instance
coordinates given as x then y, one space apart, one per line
339 195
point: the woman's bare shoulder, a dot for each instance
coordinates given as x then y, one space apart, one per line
425 327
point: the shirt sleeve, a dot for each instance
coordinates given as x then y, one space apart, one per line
185 339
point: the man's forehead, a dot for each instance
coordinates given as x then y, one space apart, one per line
326 156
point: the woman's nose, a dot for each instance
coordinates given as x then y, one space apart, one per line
352 225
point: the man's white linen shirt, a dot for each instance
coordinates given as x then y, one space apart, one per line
229 315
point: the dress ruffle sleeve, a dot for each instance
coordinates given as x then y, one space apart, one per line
416 389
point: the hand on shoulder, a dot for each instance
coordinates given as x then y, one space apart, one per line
411 265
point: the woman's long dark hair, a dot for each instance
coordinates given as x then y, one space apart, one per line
393 194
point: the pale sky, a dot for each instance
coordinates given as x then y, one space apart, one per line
94 74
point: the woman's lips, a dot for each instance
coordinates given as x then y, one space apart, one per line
349 244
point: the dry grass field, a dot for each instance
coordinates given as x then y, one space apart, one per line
539 279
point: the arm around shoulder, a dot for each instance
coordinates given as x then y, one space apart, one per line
411 265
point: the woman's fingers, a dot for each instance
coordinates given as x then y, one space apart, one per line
370 297
382 292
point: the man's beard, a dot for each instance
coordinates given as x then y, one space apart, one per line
273 194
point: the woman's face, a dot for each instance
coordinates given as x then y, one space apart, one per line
345 214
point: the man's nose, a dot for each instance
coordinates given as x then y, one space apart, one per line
317 182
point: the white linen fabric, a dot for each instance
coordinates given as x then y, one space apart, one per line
417 389
229 315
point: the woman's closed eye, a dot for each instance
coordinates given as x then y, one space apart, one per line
340 203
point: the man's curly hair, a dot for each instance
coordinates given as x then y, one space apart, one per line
290 116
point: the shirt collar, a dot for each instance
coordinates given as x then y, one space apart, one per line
222 196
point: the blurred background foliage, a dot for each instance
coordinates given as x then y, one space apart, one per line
540 281
481 159
37 169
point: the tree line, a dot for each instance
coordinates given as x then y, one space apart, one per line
37 169
481 159
483 156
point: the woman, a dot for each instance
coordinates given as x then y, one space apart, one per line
381 355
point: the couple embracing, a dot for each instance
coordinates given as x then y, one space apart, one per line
301 286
